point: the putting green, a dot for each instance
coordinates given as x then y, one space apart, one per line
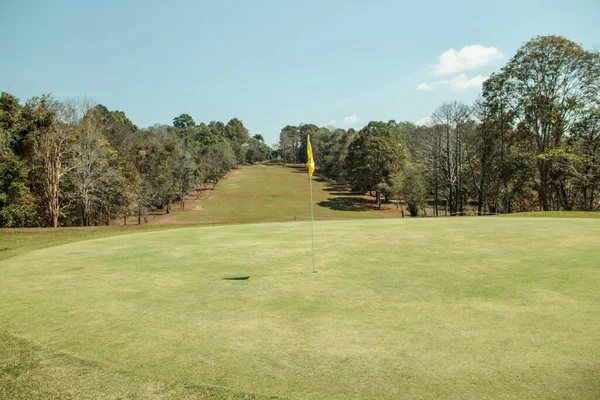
429 308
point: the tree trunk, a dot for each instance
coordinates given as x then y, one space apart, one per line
53 205
378 199
481 197
543 168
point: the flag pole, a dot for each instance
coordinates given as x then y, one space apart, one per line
310 164
312 219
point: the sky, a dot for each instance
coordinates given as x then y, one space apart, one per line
273 63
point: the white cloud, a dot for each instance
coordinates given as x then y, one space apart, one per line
351 120
423 121
426 86
469 57
462 82
331 122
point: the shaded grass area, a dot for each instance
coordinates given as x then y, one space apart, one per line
457 308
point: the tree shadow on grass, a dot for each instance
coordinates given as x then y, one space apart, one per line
347 204
299 169
339 189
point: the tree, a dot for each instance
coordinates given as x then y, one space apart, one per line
52 134
585 171
257 151
117 127
454 120
12 134
218 161
183 121
238 135
16 209
409 185
90 162
554 86
373 156
334 161
289 140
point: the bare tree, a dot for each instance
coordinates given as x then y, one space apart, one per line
453 119
90 160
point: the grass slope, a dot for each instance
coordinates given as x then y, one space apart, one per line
271 192
425 308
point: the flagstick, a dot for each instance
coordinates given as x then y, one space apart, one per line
312 219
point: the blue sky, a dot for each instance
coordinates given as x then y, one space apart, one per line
273 63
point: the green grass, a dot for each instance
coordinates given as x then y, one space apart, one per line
273 193
557 214
404 308
17 241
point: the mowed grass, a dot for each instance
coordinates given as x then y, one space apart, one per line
403 308
556 214
17 241
272 193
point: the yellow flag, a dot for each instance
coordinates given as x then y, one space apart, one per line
311 162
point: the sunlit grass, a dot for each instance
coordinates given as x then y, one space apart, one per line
410 308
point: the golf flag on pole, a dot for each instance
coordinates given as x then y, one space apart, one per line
311 162
311 168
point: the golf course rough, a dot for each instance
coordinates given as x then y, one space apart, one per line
421 308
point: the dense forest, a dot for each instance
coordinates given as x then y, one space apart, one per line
531 141
75 163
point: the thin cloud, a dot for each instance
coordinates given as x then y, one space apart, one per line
424 86
457 84
467 58
351 120
462 82
331 122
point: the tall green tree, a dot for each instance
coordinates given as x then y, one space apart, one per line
373 156
16 206
409 185
554 85
185 168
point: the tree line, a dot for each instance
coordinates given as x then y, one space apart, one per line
531 141
74 163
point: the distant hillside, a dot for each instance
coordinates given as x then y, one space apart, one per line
271 193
